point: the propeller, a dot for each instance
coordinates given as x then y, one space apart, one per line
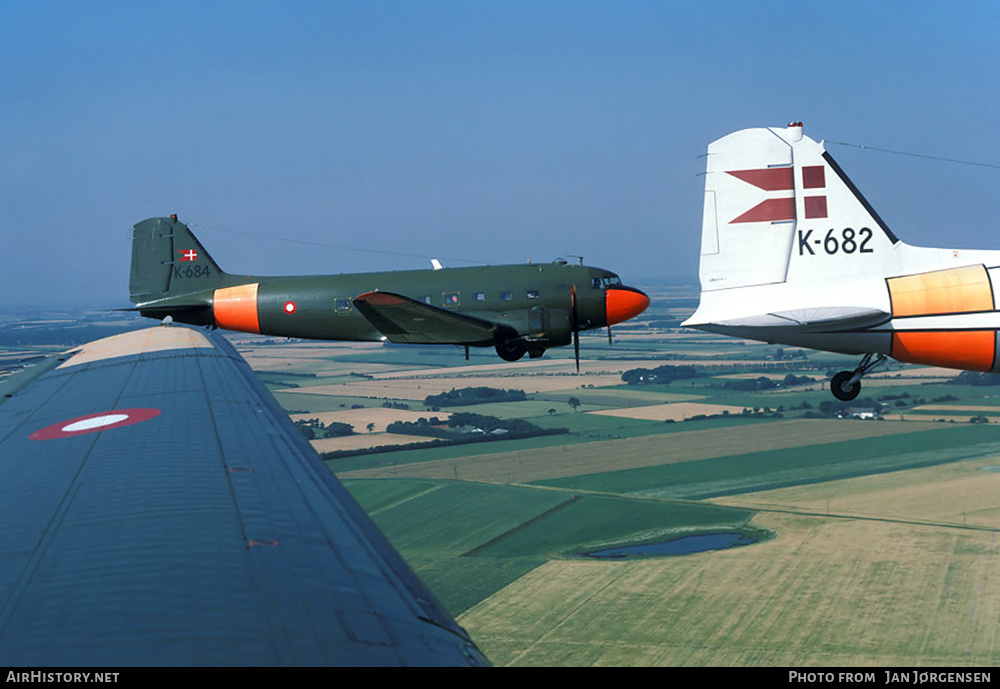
574 325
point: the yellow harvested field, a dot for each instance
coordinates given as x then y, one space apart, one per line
612 455
365 441
360 418
901 572
962 493
922 372
676 411
959 407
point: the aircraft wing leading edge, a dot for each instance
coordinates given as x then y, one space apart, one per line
161 509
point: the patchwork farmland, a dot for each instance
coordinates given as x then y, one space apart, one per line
874 539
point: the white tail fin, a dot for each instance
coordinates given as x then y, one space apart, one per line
779 209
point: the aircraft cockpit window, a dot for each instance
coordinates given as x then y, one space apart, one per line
506 296
532 294
612 280
595 283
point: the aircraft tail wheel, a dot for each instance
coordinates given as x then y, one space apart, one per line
842 388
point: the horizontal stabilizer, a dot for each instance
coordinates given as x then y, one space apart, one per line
407 321
825 318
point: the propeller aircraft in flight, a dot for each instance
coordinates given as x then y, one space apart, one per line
518 309
792 253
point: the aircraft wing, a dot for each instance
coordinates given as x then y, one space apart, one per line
159 508
408 321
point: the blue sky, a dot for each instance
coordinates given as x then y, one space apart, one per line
324 137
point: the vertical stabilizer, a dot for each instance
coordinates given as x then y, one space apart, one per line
168 260
778 209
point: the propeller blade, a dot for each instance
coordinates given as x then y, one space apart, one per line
574 325
576 349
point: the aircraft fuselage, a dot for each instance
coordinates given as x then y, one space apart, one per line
516 308
321 306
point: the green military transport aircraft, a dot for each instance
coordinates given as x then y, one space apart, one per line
517 309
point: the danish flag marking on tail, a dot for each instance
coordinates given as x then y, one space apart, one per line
782 179
188 254
768 179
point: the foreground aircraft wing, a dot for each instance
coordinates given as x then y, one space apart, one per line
408 321
159 508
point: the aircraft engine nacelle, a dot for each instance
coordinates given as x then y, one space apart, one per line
554 327
537 328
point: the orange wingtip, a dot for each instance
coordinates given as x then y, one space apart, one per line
381 298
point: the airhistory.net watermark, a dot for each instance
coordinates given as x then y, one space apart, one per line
28 676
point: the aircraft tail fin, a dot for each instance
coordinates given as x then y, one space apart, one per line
778 209
168 260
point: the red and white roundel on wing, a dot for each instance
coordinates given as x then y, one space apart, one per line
289 307
92 423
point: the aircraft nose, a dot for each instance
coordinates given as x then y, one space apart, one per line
622 303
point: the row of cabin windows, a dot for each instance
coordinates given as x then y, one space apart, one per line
454 298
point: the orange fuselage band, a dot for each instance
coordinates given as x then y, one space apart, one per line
235 308
957 290
971 350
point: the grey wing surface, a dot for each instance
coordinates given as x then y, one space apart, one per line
159 508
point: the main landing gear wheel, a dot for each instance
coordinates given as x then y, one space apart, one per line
842 387
846 385
511 350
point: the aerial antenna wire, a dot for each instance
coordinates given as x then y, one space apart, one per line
915 155
348 248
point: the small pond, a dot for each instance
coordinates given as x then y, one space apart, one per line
682 545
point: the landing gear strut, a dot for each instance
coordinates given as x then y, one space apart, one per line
846 385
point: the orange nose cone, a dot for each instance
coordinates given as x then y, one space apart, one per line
623 303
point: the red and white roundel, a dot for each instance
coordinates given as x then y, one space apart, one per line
289 307
92 423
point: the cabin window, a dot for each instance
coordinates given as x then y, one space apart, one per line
451 299
481 296
342 305
506 296
532 294
426 299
